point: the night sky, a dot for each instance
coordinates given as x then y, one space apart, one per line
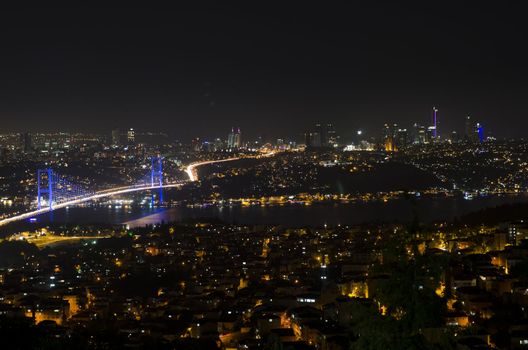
272 70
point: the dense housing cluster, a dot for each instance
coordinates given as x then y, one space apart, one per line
207 285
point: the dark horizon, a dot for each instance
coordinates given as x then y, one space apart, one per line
273 71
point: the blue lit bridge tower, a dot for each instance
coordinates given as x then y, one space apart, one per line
156 176
56 188
44 186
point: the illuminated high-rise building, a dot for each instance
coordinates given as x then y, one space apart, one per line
131 136
312 139
234 139
196 145
219 144
393 135
322 135
402 138
419 134
473 132
321 130
27 142
468 130
454 136
389 145
434 126
116 137
238 138
231 139
385 133
429 134
332 138
479 132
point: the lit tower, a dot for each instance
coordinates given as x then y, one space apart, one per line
238 138
435 125
231 139
156 176
45 186
234 139
480 132
131 136
468 130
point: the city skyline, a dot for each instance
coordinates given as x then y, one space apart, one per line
127 134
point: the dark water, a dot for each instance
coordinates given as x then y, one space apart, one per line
427 210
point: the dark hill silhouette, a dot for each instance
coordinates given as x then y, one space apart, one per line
495 215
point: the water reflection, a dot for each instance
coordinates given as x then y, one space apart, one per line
426 209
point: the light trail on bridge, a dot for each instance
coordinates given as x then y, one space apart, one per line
97 195
190 170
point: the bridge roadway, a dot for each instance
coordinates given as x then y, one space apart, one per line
190 171
97 195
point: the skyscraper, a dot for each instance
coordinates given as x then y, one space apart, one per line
419 134
468 130
332 137
385 133
429 134
131 136
320 129
116 137
391 133
219 144
322 135
196 145
312 139
402 138
389 144
234 139
479 130
434 126
27 142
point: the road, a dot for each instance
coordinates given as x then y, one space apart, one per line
45 241
193 174
191 169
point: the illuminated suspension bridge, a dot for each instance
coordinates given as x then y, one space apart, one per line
55 191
